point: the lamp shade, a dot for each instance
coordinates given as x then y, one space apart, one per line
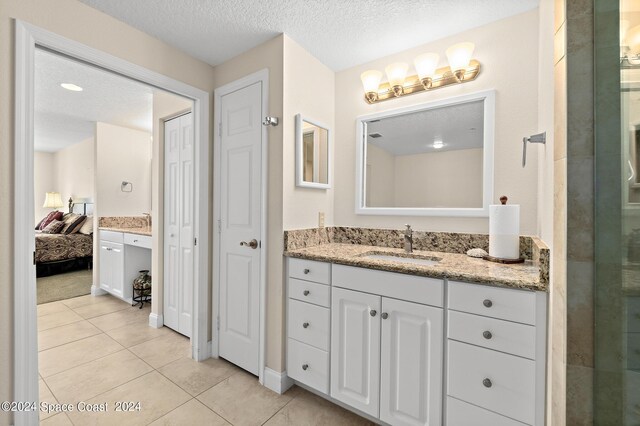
633 40
396 73
52 200
371 80
459 55
426 64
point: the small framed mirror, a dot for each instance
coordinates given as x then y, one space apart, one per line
313 154
432 159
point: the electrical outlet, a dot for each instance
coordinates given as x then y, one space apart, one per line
320 219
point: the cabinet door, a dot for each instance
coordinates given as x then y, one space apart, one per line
411 363
117 269
105 265
355 349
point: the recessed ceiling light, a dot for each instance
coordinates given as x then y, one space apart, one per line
72 87
438 144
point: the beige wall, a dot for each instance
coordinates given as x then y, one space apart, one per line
308 90
75 171
165 105
381 177
123 155
81 23
507 50
268 55
43 182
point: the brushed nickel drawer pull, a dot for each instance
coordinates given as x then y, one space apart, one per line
487 335
487 383
305 325
305 366
306 271
487 303
306 292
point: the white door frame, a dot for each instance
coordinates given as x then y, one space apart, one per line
263 77
27 37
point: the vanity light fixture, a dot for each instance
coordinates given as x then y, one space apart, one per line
428 76
72 87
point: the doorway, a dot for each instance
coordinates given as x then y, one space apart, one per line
240 151
27 38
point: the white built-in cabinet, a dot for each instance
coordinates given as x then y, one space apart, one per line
122 257
409 350
179 234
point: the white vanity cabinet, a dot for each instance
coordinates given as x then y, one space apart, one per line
122 256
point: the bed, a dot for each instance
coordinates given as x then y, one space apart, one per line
59 253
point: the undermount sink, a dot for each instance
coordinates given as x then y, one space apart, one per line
402 259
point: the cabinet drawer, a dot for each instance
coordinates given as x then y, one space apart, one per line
112 236
427 291
309 324
502 303
138 240
318 294
462 414
498 382
505 336
310 270
308 365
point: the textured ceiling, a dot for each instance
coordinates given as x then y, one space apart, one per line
340 33
457 126
63 117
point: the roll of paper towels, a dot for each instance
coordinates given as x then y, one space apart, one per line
504 231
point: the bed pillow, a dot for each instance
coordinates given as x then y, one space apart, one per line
54 215
87 226
54 227
71 222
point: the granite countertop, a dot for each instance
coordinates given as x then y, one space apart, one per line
138 231
453 266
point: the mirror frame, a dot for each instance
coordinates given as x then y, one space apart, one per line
300 182
488 97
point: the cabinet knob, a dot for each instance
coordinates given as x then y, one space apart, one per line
306 292
306 271
487 383
305 324
487 335
487 303
384 315
135 241
373 312
305 366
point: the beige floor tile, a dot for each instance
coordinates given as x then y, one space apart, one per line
77 302
121 318
308 409
61 358
64 334
45 322
163 350
242 401
129 335
196 377
45 396
156 394
191 413
51 308
59 419
88 380
97 309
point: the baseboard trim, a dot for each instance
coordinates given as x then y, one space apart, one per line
156 320
97 291
277 382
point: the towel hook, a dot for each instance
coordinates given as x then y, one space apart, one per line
537 138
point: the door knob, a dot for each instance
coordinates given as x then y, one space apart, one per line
252 244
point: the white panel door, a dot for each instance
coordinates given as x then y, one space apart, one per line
178 224
106 268
355 349
116 253
411 364
240 171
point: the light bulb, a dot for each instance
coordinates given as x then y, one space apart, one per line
371 82
396 74
459 56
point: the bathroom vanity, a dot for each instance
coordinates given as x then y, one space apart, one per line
455 341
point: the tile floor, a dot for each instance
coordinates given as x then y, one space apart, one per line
101 350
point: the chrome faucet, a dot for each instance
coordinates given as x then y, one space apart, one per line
408 239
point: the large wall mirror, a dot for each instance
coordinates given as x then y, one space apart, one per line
433 159
313 154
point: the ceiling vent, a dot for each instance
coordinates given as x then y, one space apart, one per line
375 135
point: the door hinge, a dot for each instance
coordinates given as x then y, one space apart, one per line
195 241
